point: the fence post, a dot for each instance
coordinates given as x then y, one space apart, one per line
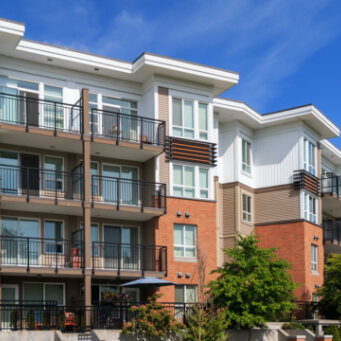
119 260
141 139
56 269
118 128
27 184
143 259
26 100
55 119
142 195
28 255
118 194
93 258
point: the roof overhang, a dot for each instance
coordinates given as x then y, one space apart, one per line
232 110
331 152
140 70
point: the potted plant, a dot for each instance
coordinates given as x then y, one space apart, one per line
30 320
79 320
61 320
46 319
115 297
14 318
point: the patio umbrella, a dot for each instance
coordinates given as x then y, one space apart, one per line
147 282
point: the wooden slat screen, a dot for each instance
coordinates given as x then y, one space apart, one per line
307 181
191 151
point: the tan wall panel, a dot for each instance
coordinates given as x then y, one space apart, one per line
229 210
277 204
228 243
164 115
148 170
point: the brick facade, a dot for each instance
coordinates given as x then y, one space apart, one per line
203 215
294 242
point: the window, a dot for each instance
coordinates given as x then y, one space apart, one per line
190 182
93 115
53 167
309 155
315 310
246 156
184 241
54 94
247 210
310 211
93 237
184 294
314 249
124 106
93 179
44 292
185 123
53 232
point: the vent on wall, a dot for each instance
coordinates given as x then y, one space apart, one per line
307 181
191 151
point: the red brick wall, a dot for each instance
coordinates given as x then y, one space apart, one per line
294 242
203 215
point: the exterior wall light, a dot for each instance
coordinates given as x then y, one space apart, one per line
178 214
187 215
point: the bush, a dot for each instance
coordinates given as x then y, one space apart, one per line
333 330
14 318
154 322
61 319
293 325
30 319
46 319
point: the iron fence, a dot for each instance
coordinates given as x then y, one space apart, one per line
35 112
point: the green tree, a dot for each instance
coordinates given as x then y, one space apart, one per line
154 322
255 287
330 293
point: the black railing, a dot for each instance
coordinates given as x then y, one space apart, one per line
40 252
118 191
40 183
40 315
129 257
331 184
123 127
332 232
35 112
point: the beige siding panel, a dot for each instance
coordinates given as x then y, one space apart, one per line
228 243
245 229
229 209
277 205
164 115
220 222
148 169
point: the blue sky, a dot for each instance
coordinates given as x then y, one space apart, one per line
287 52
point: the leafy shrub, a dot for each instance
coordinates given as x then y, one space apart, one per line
293 325
333 330
30 319
153 322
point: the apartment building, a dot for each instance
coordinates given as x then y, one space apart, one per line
113 171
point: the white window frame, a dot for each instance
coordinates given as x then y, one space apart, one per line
311 168
185 293
196 187
184 246
314 258
196 101
246 212
248 170
306 214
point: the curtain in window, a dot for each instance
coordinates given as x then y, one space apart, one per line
112 236
8 105
54 292
203 183
189 182
53 113
203 127
130 253
9 175
109 186
177 117
189 119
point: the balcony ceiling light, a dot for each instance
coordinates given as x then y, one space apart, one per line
49 59
96 69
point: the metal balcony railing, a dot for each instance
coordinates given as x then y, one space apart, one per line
331 184
123 127
35 112
129 257
332 232
40 252
118 191
24 181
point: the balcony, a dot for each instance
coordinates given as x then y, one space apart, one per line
332 236
331 194
131 133
134 259
22 185
26 254
127 199
20 115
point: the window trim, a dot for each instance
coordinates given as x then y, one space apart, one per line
305 195
248 213
184 239
314 258
196 101
196 187
243 171
306 164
